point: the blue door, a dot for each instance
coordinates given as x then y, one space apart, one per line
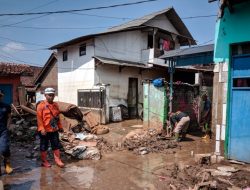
7 89
239 126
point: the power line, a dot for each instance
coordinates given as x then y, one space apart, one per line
131 18
59 28
76 10
12 24
43 5
28 43
23 49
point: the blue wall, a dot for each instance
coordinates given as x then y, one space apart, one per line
232 28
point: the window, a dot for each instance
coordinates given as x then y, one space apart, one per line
150 41
241 82
65 55
241 49
82 50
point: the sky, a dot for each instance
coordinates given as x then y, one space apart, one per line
26 39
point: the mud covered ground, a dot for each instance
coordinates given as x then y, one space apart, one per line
122 169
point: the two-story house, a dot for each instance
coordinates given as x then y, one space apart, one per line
106 69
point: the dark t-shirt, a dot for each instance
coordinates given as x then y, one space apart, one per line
207 108
177 117
4 111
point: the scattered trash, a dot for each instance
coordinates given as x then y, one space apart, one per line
83 152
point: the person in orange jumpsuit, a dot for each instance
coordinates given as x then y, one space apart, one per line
49 125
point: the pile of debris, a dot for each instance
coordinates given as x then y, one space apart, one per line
143 141
23 130
78 140
205 177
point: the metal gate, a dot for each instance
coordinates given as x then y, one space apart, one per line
91 98
239 118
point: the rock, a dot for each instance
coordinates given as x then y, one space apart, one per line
143 150
19 133
20 122
33 128
220 173
227 169
36 147
202 158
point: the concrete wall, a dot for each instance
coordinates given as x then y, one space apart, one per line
219 104
122 46
51 80
118 89
75 73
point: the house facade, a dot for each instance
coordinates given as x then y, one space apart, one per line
47 77
232 72
112 64
11 77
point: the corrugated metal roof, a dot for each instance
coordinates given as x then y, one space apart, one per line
15 69
138 22
183 33
120 62
188 51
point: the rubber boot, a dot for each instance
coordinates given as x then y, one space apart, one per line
205 137
177 137
57 158
8 168
45 162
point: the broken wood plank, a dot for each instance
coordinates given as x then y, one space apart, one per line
88 143
15 109
28 110
22 95
173 187
225 181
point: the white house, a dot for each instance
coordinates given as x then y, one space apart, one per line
106 69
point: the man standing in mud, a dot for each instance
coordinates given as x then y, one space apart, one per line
180 121
48 127
5 119
206 117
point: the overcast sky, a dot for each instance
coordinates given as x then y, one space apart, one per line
21 40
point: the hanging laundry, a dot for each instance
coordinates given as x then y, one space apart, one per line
166 45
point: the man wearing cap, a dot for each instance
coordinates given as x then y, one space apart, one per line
48 127
5 118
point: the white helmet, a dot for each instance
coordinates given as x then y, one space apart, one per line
49 91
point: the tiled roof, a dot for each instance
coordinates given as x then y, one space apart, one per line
15 69
29 80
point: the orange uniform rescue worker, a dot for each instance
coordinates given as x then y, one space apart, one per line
48 127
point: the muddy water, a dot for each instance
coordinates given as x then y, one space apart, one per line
120 170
